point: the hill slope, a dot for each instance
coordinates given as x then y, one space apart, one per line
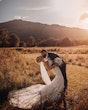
44 32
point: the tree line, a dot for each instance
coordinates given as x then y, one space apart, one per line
8 39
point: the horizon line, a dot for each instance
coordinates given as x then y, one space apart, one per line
43 23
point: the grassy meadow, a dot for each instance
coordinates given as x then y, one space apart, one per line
18 69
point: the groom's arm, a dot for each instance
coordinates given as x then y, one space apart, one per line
58 61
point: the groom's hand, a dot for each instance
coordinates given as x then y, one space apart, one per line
53 66
56 64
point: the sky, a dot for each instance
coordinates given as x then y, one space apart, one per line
71 13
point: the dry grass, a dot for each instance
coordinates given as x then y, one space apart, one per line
18 69
73 55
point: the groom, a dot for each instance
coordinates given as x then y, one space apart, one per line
62 64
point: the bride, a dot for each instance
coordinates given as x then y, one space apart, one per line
35 95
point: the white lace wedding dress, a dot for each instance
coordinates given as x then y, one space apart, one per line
35 95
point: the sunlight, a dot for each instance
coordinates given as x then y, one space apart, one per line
85 23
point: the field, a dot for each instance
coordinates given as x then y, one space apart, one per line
18 69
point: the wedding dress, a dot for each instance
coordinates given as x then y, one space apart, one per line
35 95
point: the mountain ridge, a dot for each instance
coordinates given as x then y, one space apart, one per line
41 32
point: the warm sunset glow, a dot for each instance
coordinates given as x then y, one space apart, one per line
85 23
71 13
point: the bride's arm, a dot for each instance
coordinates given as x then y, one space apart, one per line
46 63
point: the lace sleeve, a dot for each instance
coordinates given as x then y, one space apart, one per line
58 61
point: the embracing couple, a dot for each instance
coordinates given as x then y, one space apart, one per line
35 95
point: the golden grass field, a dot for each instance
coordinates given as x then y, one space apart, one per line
18 69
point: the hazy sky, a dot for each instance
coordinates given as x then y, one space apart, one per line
73 13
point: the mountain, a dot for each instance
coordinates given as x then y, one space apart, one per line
44 33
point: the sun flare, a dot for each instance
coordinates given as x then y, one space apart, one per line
85 23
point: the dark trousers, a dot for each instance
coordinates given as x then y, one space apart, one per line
63 70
